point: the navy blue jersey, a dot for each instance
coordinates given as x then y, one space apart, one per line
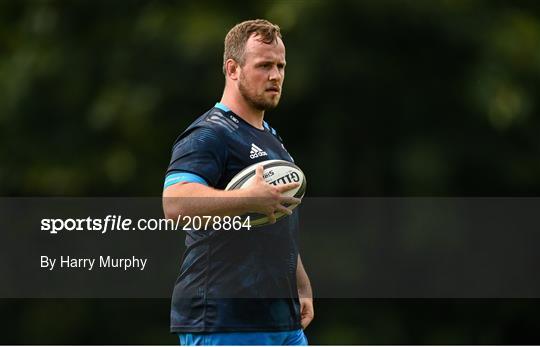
233 280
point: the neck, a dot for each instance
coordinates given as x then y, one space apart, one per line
242 109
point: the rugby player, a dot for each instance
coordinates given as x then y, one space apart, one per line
244 287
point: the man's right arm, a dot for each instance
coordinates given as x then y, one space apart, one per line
194 199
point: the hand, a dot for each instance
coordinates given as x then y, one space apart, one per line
268 199
306 311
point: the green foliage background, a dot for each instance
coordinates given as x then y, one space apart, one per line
396 97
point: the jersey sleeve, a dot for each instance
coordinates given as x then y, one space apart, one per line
198 156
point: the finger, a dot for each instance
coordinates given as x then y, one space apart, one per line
289 200
271 218
305 322
284 209
259 171
286 187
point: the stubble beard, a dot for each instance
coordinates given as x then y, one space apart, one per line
259 102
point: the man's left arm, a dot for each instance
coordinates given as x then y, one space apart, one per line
305 294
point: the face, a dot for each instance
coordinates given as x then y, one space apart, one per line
261 77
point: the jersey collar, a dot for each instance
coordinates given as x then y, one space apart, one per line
222 107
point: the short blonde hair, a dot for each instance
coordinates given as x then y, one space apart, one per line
235 41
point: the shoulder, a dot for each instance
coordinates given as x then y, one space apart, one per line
221 121
212 125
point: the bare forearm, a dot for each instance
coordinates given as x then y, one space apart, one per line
192 199
302 281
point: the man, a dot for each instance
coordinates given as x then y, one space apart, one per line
238 287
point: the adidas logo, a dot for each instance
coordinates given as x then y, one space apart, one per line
256 152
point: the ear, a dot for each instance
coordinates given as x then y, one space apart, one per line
232 68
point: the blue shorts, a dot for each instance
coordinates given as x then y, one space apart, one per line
288 338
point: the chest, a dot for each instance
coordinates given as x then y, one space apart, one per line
251 147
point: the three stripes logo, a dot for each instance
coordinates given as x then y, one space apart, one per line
256 152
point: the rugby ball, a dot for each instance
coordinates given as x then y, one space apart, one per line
275 172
